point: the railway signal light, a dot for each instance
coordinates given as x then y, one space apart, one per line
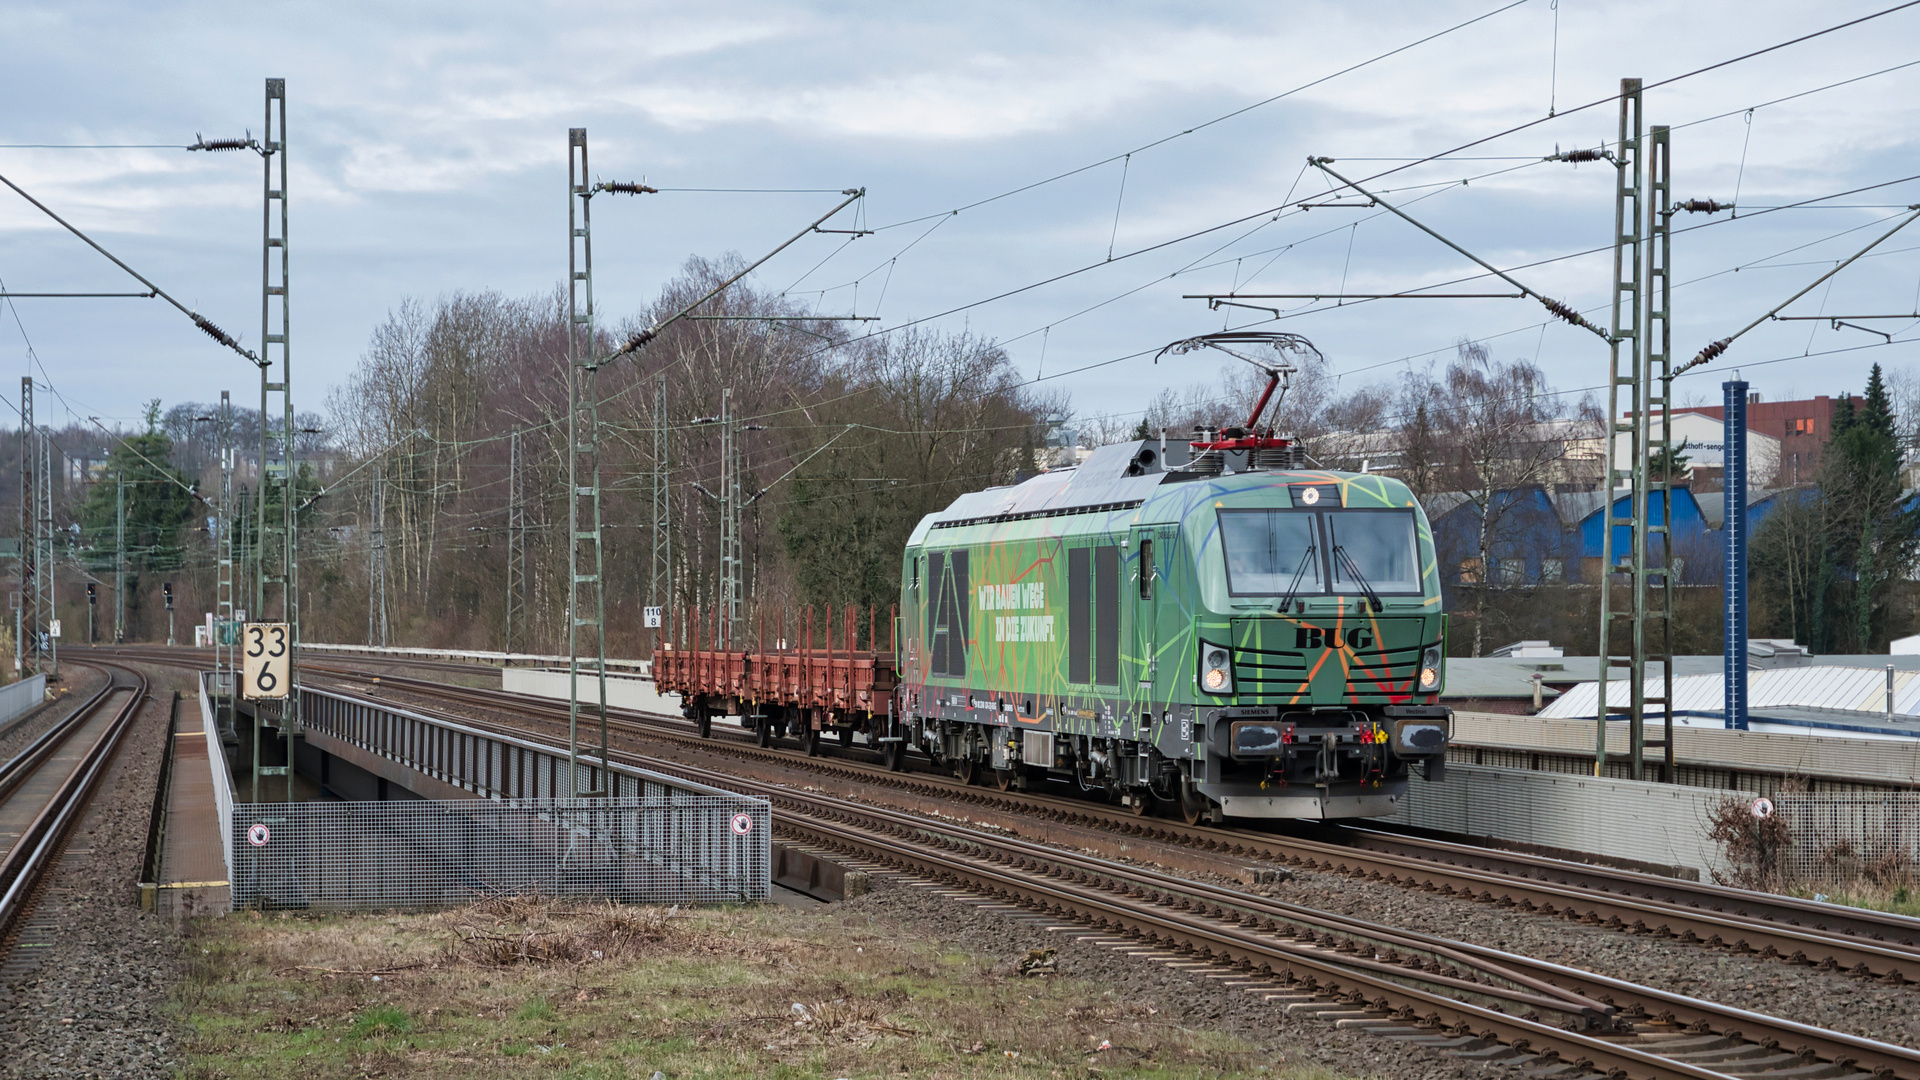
166 591
92 593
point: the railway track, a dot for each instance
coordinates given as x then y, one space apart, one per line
45 788
1398 984
1829 936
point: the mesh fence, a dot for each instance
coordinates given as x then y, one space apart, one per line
683 849
1846 839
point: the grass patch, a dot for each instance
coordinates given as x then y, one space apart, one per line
381 1020
536 1009
519 988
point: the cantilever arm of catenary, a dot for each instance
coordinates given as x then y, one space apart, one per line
199 320
1718 347
654 331
1557 307
796 468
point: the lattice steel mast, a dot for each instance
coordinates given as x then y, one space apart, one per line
49 608
660 580
586 596
225 635
120 558
377 561
1641 367
27 627
516 543
273 287
729 522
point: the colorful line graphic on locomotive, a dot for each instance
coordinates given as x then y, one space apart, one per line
1259 643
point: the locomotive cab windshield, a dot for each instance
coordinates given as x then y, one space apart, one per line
1288 552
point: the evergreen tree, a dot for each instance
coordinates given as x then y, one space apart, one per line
1828 564
159 504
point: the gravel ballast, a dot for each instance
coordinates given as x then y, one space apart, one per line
1829 999
96 1003
1182 998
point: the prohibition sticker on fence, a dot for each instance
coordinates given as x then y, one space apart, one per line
1762 807
258 835
742 824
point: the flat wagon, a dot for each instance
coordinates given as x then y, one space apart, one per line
823 679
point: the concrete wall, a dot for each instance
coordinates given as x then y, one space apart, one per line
1659 824
622 693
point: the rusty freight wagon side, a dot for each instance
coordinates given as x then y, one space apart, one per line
816 681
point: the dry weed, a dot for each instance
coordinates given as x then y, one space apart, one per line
1755 847
534 930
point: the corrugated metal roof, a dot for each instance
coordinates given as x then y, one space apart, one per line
1854 756
1852 688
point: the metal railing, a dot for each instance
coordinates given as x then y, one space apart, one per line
217 761
1845 840
643 668
416 853
655 839
21 698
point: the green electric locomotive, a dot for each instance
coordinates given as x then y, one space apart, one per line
1231 634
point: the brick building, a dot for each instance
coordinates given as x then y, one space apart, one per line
1802 427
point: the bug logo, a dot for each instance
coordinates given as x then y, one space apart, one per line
1314 637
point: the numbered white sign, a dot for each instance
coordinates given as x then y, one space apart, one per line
266 665
650 616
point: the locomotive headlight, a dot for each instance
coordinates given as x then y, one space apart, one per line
1216 670
1430 668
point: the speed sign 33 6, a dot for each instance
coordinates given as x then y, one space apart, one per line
267 653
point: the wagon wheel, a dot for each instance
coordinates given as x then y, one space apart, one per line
764 733
705 723
846 736
1004 778
893 755
812 738
967 769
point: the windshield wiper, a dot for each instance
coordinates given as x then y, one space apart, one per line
1306 559
1373 598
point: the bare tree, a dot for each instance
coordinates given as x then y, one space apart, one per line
1500 425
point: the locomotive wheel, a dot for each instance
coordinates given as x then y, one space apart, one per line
1193 805
1004 778
967 769
764 733
812 738
705 724
1142 805
846 736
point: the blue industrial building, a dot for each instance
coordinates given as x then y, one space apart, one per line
1541 536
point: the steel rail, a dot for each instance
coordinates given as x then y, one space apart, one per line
1826 935
27 863
1589 989
1237 929
1392 998
22 765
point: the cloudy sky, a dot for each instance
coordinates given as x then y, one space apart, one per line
428 155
